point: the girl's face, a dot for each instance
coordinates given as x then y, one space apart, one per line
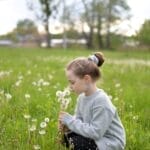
76 84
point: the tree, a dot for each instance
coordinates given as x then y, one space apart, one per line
144 33
25 27
26 30
115 9
44 12
88 17
101 15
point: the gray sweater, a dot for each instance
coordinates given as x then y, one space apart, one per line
96 118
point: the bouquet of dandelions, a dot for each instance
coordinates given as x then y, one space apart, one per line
64 99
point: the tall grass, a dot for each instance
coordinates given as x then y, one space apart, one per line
39 73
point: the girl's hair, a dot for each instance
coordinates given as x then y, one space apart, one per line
87 66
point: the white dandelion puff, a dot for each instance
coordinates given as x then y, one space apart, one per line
32 128
27 116
46 120
62 97
8 96
43 124
36 147
27 96
117 85
42 132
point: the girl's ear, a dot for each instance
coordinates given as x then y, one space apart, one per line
87 78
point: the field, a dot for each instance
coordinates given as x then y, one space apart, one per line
29 80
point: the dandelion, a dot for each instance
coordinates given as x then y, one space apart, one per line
43 124
34 120
18 83
116 99
36 147
67 92
62 97
32 128
27 96
42 132
34 83
27 116
20 77
46 120
8 96
28 72
39 89
136 117
45 83
117 85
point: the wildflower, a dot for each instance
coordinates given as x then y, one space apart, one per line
43 124
46 120
34 83
67 91
60 94
45 83
34 120
65 103
36 147
29 72
20 77
42 132
116 99
136 117
27 116
63 98
32 128
39 89
8 96
18 82
27 96
117 85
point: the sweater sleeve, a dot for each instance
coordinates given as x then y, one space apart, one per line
100 122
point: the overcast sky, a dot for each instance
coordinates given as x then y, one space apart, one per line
11 11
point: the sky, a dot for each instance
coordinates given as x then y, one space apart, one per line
11 11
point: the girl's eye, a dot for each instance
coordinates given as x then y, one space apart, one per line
72 82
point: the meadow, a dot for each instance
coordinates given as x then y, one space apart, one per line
30 78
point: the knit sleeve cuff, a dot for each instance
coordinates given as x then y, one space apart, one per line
67 119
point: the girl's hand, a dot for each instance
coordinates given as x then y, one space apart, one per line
61 126
61 115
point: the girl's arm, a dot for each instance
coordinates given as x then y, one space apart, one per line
102 118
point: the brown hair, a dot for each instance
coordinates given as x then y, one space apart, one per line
86 66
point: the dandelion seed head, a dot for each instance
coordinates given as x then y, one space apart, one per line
46 120
27 116
42 132
117 85
27 96
8 96
36 147
32 128
43 124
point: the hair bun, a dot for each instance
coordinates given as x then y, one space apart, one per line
100 57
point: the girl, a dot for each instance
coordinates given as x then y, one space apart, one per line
96 125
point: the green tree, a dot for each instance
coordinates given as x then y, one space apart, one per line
44 11
115 10
25 27
144 33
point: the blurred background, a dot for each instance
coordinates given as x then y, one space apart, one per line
91 24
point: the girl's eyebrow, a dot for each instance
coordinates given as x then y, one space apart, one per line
71 80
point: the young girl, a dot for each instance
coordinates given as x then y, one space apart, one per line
96 124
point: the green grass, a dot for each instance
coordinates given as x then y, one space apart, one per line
125 77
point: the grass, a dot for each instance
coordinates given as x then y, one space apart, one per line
40 73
